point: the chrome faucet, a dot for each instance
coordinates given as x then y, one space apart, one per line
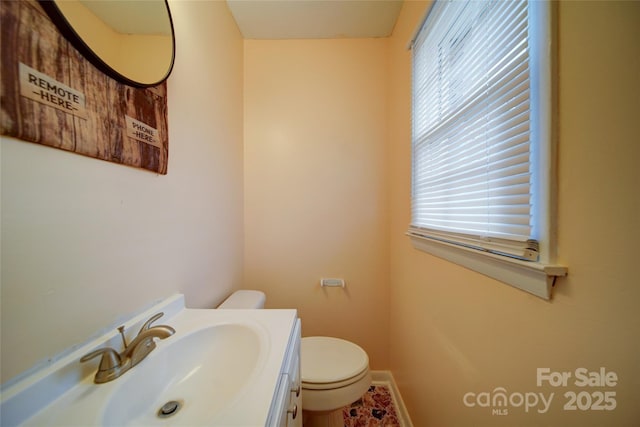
114 364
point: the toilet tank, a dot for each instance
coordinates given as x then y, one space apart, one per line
244 299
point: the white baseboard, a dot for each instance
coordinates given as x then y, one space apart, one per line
386 378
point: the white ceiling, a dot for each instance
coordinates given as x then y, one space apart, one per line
315 19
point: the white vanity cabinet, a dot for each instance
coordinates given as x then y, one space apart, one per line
286 407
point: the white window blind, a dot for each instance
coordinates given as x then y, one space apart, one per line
474 172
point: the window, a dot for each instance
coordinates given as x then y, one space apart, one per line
483 142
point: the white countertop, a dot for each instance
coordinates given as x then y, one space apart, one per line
64 393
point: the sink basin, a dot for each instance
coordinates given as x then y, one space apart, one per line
221 367
200 374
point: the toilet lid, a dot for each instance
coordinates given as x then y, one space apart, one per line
330 360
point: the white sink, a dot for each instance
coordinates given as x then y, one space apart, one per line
201 373
221 366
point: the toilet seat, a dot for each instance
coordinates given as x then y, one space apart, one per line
334 373
335 385
331 363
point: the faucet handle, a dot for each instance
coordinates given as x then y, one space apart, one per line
152 319
111 366
110 358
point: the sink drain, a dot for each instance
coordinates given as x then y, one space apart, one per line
169 409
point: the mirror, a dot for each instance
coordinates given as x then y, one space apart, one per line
130 40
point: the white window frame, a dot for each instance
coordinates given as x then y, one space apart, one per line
536 277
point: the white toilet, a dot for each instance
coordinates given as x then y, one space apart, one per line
335 372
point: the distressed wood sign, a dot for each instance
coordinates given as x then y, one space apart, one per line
52 96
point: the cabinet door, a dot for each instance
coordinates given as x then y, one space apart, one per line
286 407
280 404
294 414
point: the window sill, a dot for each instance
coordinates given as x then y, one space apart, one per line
533 277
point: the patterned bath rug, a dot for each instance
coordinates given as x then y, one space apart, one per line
374 409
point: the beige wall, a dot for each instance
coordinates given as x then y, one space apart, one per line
85 242
316 184
454 331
